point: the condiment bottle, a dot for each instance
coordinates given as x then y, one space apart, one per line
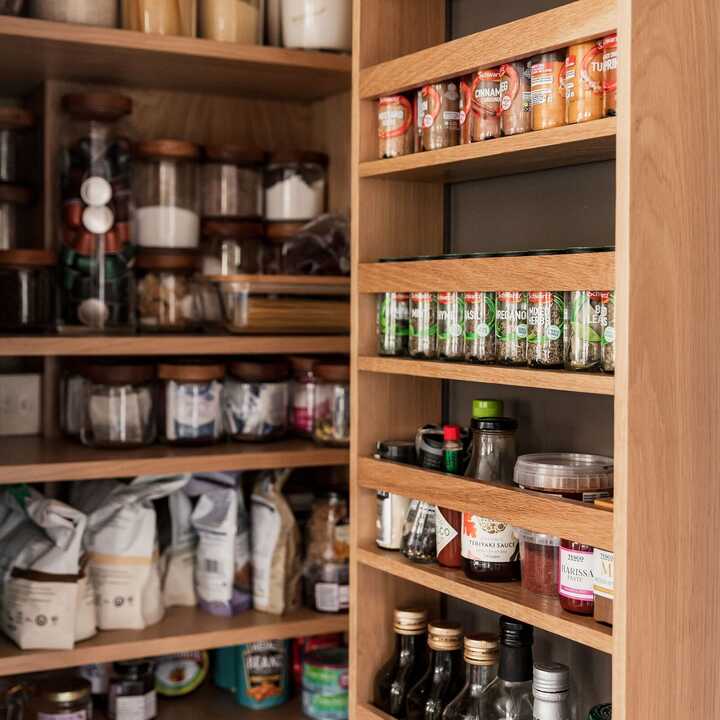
395 126
584 82
575 585
407 663
480 326
610 65
515 98
302 395
448 522
551 689
547 83
440 122
486 105
132 691
418 542
443 678
450 325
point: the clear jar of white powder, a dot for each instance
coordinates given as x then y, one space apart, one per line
295 186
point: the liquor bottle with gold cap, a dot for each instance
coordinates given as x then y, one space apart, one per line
481 667
443 678
407 664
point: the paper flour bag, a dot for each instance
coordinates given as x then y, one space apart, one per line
178 559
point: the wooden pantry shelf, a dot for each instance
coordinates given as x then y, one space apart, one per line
557 147
118 345
32 51
182 630
35 459
591 383
591 270
539 512
550 30
505 598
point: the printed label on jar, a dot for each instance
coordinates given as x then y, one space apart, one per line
394 117
604 571
135 707
488 540
576 574
445 533
331 597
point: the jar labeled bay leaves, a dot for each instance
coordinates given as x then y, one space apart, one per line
511 327
393 315
583 328
608 338
480 326
545 329
451 325
423 325
441 121
396 132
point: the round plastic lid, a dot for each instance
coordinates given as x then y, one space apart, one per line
487 408
564 472
528 536
98 220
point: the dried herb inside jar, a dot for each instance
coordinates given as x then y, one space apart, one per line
511 328
583 329
545 329
451 325
423 325
608 338
480 326
393 314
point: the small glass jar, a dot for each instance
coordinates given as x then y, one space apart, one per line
480 326
584 325
26 290
191 403
166 192
73 397
168 294
13 198
575 581
255 400
396 129
608 338
101 13
295 186
422 338
14 696
272 261
393 323
61 697
539 562
485 121
317 24
131 694
419 538
302 395
545 315
332 405
160 17
232 179
14 121
511 329
120 406
235 21
451 325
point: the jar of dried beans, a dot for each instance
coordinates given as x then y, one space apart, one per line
547 85
393 313
450 325
584 82
583 328
480 326
515 98
485 105
545 329
423 325
396 130
440 122
608 338
539 555
610 65
511 328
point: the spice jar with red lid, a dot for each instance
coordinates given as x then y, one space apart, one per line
576 577
485 105
396 130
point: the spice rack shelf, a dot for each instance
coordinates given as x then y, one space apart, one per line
591 383
505 598
557 147
36 459
33 51
535 511
182 630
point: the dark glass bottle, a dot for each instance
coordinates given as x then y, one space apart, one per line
407 664
443 678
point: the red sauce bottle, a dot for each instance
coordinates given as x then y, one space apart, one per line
448 523
575 582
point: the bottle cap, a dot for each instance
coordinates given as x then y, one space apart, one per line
514 633
487 408
410 621
444 635
481 649
601 712
451 432
551 677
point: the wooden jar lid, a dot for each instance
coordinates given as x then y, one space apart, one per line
167 148
107 107
280 231
38 258
191 372
235 155
15 118
232 229
129 374
260 370
288 156
333 372
167 260
15 194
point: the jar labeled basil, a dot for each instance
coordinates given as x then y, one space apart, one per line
451 325
584 324
480 326
608 338
393 315
545 323
511 327
423 325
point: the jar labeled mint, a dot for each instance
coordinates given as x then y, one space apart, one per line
450 325
423 325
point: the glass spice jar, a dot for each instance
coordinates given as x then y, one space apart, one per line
480 326
131 694
302 395
608 338
485 105
395 126
393 323
14 122
332 404
465 119
73 389
295 186
584 82
547 85
610 67
26 290
515 98
583 328
440 122
190 408
232 180
61 697
422 338
539 555
511 329
576 577
545 314
450 325
160 17
419 540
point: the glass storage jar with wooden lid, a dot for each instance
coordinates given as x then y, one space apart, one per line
61 697
295 182
232 181
11 7
276 235
161 17
14 122
166 192
332 404
26 290
237 21
100 13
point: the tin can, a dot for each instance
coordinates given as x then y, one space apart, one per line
325 684
263 674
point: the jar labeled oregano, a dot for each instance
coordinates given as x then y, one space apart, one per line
423 325
450 325
545 334
480 326
511 327
393 313
584 324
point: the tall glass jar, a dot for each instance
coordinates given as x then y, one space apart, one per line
511 328
584 325
235 21
295 185
480 326
490 547
161 17
166 192
14 122
332 404
302 395
96 245
232 179
14 211
73 389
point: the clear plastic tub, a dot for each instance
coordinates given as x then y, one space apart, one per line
539 555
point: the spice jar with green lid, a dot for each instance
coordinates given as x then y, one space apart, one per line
451 325
332 404
393 327
62 697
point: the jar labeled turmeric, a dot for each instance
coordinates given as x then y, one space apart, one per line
441 119
610 64
465 109
515 98
395 126
584 82
486 105
547 83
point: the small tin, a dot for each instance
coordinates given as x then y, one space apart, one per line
325 684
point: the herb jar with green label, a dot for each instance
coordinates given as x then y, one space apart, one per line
393 312
480 326
584 324
451 325
545 329
511 327
423 325
608 338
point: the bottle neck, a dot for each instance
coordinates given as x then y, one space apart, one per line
516 663
480 676
409 646
551 706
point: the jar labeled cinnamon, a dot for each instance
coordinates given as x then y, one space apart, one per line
547 85
441 119
395 127
610 64
584 82
486 105
465 109
515 98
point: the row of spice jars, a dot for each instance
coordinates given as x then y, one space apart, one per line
549 90
123 405
542 329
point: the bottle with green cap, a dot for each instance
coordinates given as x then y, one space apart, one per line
487 408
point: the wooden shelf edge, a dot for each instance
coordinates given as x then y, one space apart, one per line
366 711
590 383
533 511
182 630
540 32
503 598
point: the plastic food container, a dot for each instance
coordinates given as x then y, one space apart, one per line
191 410
26 290
232 180
13 122
120 406
576 476
102 13
231 21
12 200
539 555
295 186
332 404
166 193
161 17
255 400
317 24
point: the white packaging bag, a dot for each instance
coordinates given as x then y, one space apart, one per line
178 559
